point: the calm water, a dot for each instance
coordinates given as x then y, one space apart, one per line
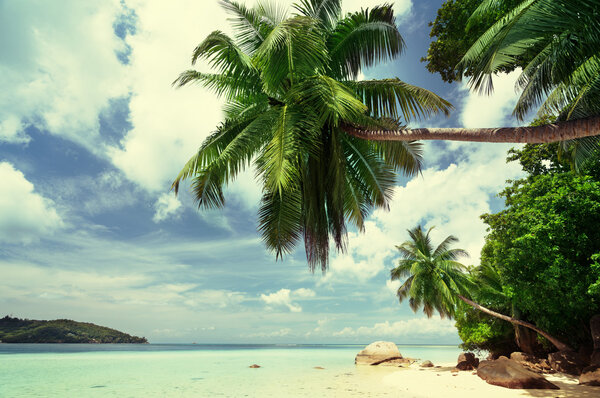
154 370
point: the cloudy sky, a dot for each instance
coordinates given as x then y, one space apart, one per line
92 134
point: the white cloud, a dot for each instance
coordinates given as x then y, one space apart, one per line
481 110
214 298
283 298
58 68
406 328
166 205
11 130
168 124
275 333
25 215
304 293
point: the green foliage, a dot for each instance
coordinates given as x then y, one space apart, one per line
479 331
432 276
289 85
453 39
14 330
542 246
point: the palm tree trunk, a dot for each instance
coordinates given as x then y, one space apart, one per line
559 131
557 343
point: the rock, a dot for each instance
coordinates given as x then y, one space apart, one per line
467 361
507 373
255 366
567 362
531 362
590 376
378 352
319 367
427 364
398 362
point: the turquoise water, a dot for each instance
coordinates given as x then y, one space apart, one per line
194 370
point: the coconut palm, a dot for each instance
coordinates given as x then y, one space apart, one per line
434 280
561 40
290 86
325 146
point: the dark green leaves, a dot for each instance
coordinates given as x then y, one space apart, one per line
362 39
285 112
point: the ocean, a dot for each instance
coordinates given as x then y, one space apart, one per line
174 370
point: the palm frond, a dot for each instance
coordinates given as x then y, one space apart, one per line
363 38
326 11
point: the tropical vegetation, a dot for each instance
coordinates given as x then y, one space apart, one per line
434 280
15 330
326 147
544 248
556 43
290 85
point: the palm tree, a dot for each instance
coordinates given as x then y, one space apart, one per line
325 146
290 85
561 41
435 280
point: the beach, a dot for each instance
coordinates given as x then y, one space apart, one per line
223 371
418 382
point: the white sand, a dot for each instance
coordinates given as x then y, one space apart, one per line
418 382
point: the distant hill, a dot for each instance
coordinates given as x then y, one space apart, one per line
15 330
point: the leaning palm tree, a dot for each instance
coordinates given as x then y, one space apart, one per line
435 280
325 146
561 40
290 86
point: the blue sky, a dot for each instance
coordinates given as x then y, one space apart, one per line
92 134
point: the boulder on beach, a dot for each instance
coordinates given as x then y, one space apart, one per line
254 366
467 361
427 364
590 376
507 373
532 362
377 353
567 362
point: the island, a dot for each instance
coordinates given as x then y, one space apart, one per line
15 330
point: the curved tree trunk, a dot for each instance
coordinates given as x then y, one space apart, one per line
557 343
559 131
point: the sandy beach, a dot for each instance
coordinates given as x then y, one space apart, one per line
418 382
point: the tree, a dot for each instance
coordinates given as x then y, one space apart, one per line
561 76
295 110
290 88
453 39
435 280
542 245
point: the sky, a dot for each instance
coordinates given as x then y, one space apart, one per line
92 134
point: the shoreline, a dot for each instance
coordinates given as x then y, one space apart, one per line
417 382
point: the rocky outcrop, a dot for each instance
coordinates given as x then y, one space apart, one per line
567 362
507 373
532 362
590 376
427 364
467 361
377 353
